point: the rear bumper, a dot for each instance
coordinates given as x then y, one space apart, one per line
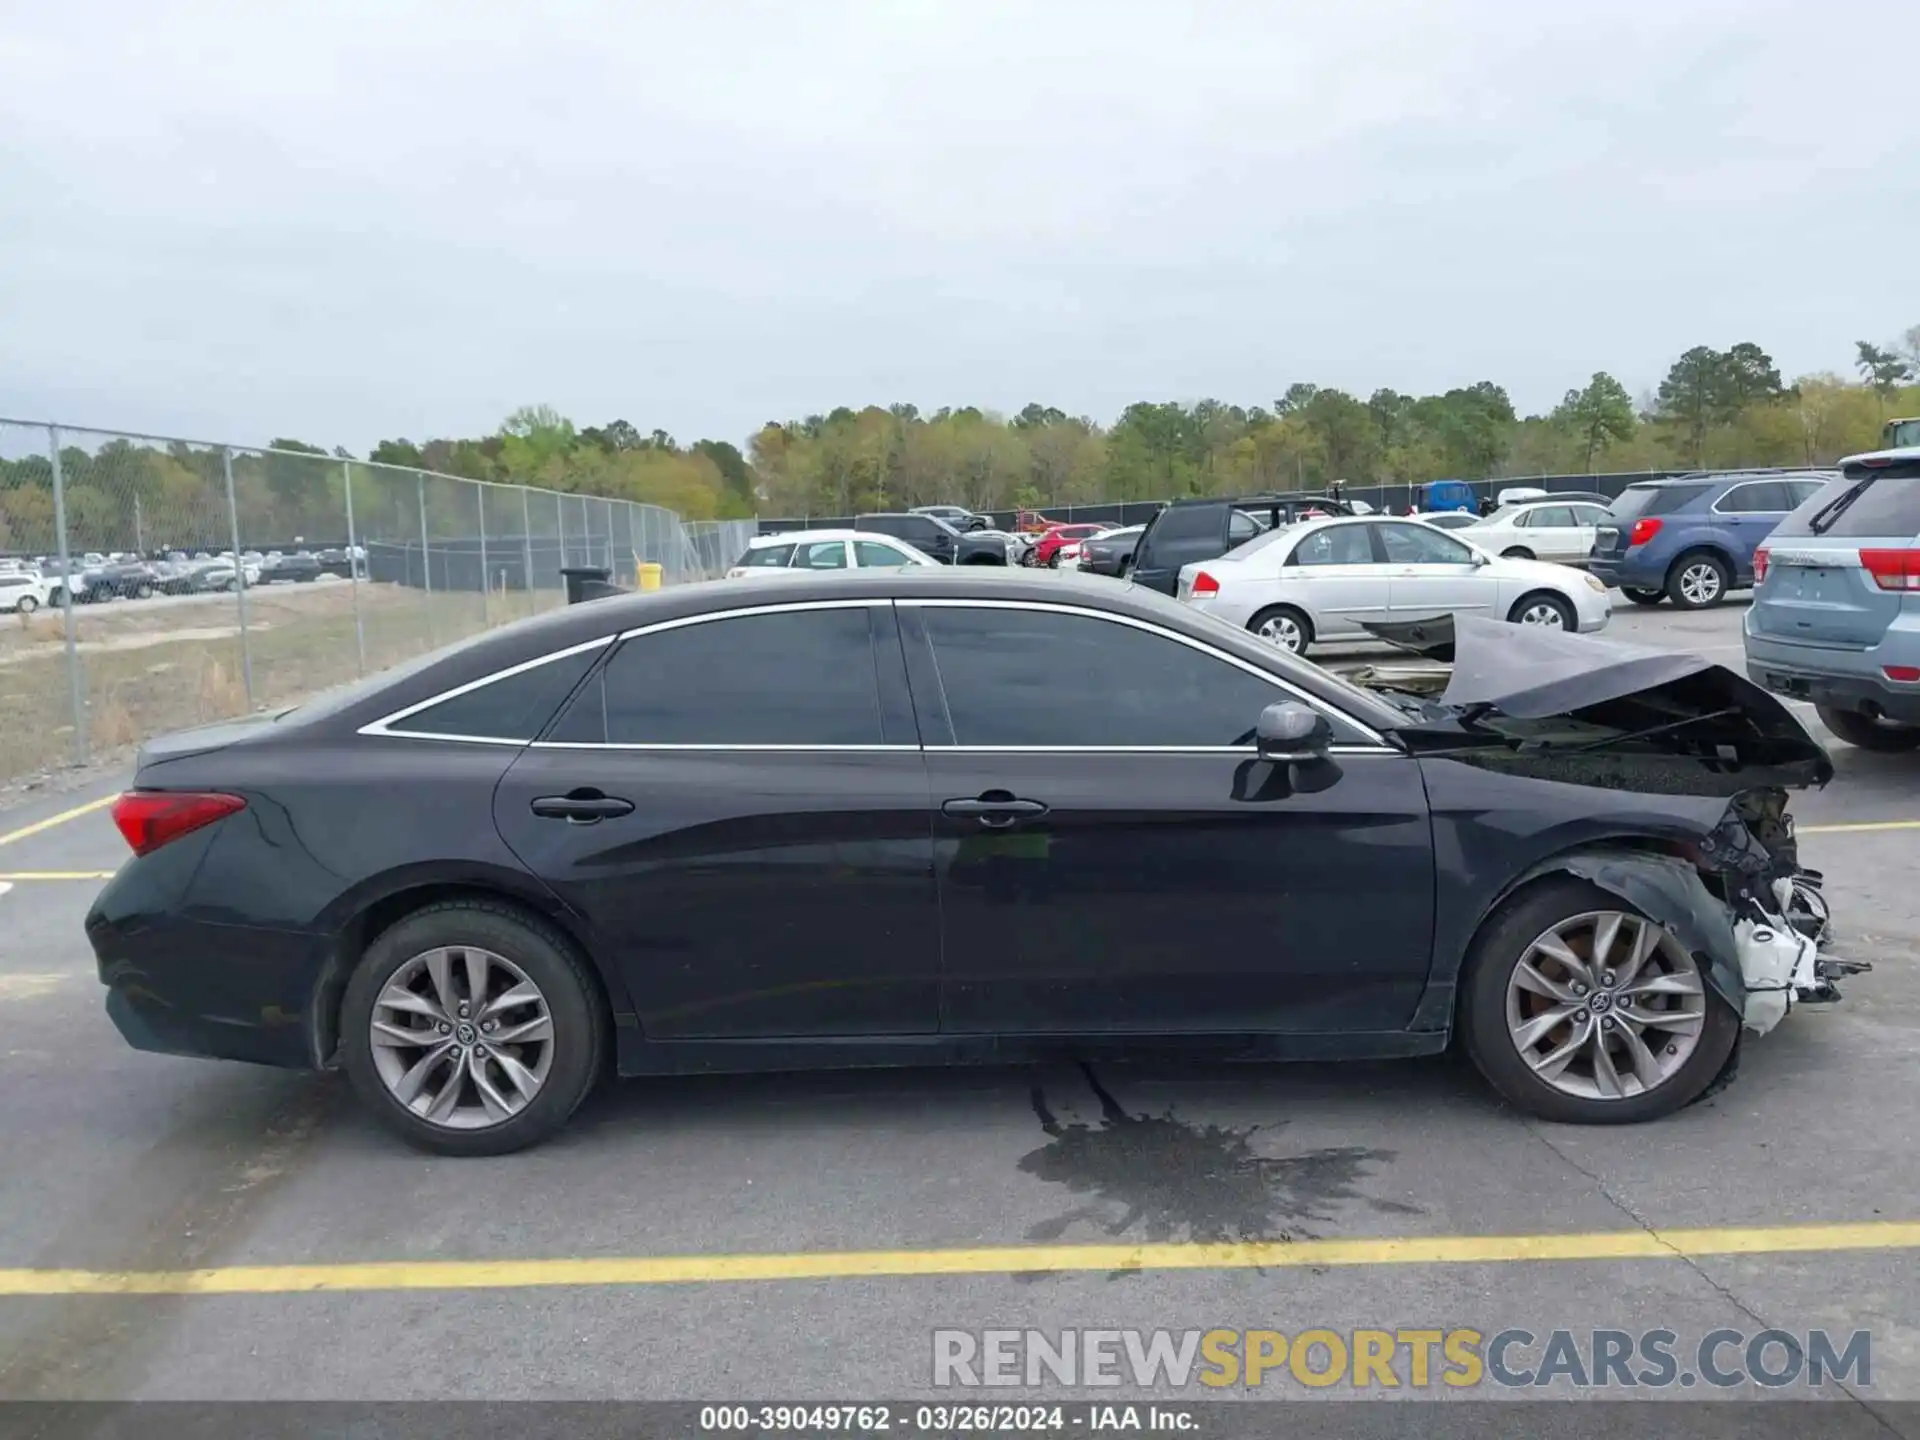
1627 572
1826 679
188 987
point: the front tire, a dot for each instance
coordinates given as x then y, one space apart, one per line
472 1028
1864 731
1643 597
1545 609
27 605
1698 580
1516 552
1561 1020
1284 626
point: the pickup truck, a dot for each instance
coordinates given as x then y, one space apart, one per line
935 538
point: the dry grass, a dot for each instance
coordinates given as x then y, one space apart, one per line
149 669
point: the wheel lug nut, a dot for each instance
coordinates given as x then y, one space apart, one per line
445 1029
1579 989
1606 1024
1607 979
489 1026
463 1007
480 1052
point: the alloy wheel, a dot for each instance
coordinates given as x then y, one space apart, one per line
462 1037
1605 1005
1700 583
1543 612
1282 630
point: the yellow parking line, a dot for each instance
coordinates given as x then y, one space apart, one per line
389 1275
56 874
52 820
1856 827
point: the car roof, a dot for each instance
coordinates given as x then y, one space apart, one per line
791 537
1729 477
541 635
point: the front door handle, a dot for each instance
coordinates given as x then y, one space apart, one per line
581 807
994 810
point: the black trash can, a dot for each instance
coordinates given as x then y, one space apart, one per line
589 582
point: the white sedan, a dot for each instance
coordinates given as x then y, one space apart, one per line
1560 531
801 552
1326 579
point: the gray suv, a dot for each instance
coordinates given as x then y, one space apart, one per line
1836 611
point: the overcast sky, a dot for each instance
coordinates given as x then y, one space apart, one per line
372 218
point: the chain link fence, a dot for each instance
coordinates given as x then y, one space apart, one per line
150 583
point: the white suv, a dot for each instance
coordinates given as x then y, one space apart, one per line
23 591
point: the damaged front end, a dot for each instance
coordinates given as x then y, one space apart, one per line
1579 710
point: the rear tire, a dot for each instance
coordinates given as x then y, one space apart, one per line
1697 580
576 1039
27 605
1284 626
1863 731
1643 597
1492 1030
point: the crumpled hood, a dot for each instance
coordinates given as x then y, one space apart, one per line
1559 696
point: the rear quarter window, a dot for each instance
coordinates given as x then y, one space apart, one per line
767 557
514 707
1638 500
1874 503
1199 522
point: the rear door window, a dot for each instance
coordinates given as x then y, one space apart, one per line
1556 517
803 677
1872 503
1336 545
1756 497
821 555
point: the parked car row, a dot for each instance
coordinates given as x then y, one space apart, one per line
95 578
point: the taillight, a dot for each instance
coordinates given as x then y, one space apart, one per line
1643 531
148 819
1904 674
1892 569
1205 584
1759 564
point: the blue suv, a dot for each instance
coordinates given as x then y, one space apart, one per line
1691 540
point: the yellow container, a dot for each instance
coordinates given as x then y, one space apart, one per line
650 577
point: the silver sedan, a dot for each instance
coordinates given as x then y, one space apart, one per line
1327 579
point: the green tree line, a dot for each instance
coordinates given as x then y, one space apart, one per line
1714 408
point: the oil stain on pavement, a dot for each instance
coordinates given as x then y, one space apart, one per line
1167 1179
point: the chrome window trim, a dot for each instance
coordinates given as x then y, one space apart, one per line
383 726
1242 750
778 607
1058 607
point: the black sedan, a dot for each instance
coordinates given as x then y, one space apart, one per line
921 816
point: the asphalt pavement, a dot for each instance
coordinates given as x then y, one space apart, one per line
802 1237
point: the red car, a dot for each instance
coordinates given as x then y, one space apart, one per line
1046 550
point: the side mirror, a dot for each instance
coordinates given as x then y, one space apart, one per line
1292 733
1481 559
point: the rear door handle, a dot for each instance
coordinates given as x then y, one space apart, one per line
581 807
